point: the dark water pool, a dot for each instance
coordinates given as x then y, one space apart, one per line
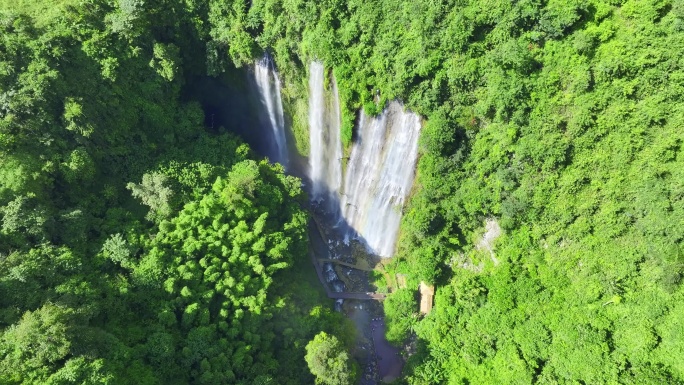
390 362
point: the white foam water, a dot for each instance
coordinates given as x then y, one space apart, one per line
380 175
371 194
268 84
325 169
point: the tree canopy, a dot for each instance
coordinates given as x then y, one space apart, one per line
139 245
329 362
561 121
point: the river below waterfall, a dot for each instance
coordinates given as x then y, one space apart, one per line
378 360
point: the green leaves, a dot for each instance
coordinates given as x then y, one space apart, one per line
561 119
79 167
155 192
166 60
401 313
216 260
329 362
117 249
555 122
35 345
92 103
230 34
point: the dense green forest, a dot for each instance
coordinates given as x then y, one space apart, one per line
139 245
561 120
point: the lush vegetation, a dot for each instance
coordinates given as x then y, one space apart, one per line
138 246
329 361
562 120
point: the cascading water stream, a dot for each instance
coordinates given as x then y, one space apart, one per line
268 84
368 206
380 171
325 146
379 176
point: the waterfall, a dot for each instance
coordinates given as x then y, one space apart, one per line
326 148
268 85
368 199
379 176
